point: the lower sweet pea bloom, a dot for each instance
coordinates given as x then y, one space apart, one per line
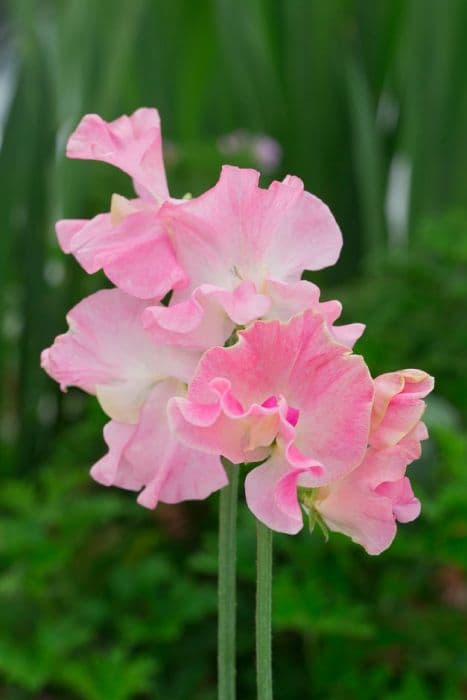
283 389
108 353
367 503
238 243
130 242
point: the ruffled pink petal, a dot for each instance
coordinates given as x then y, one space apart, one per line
136 254
132 143
208 317
287 300
66 229
398 405
366 504
223 427
113 468
405 506
279 511
411 443
237 231
107 352
349 333
300 365
147 456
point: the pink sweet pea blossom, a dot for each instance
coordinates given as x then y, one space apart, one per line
332 443
366 503
108 353
130 242
244 250
284 389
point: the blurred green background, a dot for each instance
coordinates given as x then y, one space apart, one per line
367 102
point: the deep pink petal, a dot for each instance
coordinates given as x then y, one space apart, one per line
298 363
223 427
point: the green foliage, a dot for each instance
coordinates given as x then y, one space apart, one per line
101 600
415 305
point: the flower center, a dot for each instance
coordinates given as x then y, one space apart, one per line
292 414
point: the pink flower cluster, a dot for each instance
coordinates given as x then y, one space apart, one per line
244 362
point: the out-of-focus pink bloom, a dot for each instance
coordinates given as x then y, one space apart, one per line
287 384
240 246
108 353
367 503
265 150
129 243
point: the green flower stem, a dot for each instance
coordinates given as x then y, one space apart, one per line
263 611
226 661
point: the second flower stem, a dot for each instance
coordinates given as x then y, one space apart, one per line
226 661
263 611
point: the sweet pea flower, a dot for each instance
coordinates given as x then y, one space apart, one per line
367 503
108 353
130 242
287 392
244 249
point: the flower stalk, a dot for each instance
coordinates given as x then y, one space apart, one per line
263 611
227 595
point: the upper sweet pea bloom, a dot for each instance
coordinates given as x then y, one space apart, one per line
244 249
130 242
287 390
367 503
108 353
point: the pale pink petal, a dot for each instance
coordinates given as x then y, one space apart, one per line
113 468
132 143
66 229
328 390
348 334
107 352
287 300
136 253
208 317
405 506
147 456
238 231
398 405
411 443
366 504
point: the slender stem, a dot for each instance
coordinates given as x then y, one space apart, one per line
226 662
263 611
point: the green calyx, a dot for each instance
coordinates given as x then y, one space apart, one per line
307 498
233 337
